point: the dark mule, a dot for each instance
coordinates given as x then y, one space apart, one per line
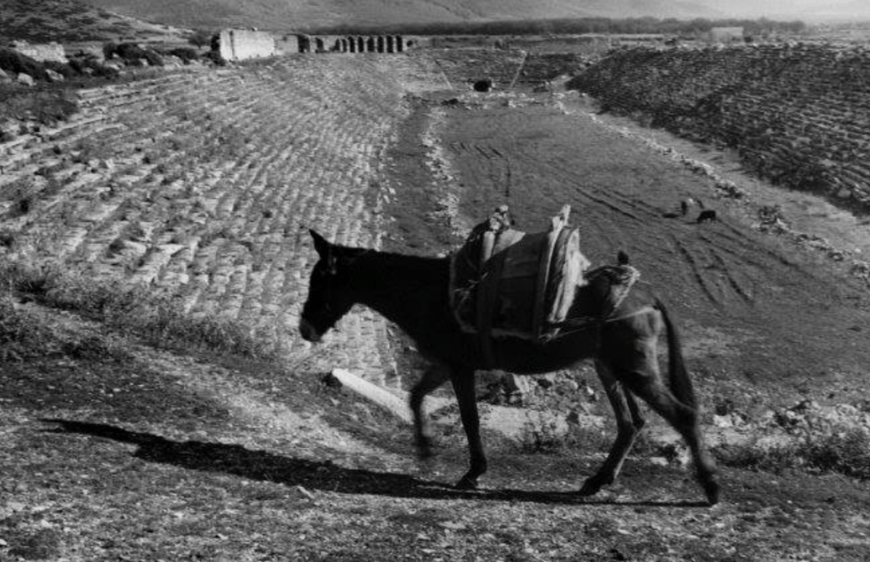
413 293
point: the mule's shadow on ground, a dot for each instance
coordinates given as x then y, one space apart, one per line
326 476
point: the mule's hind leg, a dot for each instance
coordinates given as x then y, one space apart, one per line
685 420
463 386
433 377
629 423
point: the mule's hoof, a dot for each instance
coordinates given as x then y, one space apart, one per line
711 488
425 450
425 453
594 484
590 488
467 483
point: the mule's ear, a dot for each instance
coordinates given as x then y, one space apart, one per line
320 243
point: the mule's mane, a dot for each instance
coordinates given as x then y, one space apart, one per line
403 260
391 270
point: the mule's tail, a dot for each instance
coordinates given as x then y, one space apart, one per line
678 376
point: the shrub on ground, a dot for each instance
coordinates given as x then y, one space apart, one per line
15 63
92 66
200 38
132 54
186 54
540 434
109 49
18 335
64 69
845 451
215 57
43 106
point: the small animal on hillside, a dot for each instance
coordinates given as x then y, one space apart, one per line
707 215
685 204
484 85
688 203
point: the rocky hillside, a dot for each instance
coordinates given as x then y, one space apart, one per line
284 14
65 21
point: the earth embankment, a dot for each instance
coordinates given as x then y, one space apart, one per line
797 114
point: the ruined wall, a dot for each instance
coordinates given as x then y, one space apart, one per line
354 44
243 44
799 115
288 43
42 52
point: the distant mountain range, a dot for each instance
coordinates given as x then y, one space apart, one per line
78 20
807 10
295 14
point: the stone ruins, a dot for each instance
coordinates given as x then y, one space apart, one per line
41 52
243 44
353 44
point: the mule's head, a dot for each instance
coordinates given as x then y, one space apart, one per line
328 298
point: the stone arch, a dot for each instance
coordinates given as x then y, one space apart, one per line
352 44
304 44
400 44
381 43
360 44
319 47
370 45
391 44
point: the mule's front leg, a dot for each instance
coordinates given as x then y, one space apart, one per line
463 386
435 376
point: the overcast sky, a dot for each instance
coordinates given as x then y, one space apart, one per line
792 8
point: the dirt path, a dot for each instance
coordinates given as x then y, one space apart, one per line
783 316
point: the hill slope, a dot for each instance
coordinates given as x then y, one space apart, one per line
72 20
806 10
296 14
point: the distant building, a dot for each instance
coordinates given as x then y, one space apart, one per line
289 43
243 44
41 52
725 35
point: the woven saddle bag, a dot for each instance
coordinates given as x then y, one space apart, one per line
505 282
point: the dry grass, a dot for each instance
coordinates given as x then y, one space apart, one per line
47 105
123 308
845 452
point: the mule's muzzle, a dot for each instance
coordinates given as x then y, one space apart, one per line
309 332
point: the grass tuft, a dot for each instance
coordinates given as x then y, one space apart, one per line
540 435
846 451
130 310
